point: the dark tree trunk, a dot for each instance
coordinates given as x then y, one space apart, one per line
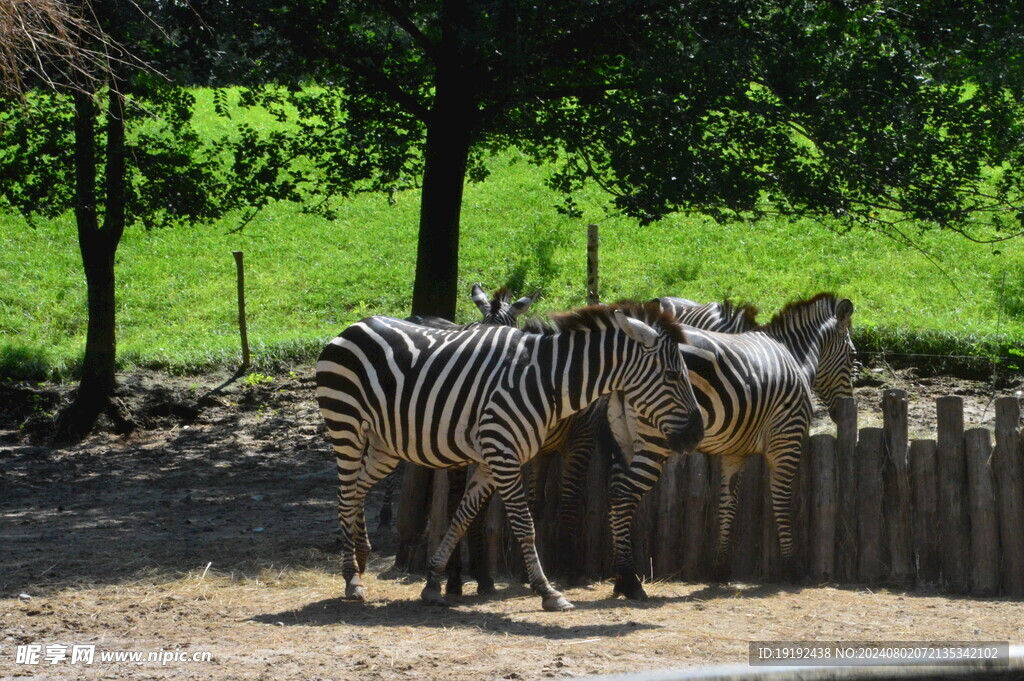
449 137
98 246
437 258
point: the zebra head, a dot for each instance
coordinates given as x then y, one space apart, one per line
498 310
658 386
833 378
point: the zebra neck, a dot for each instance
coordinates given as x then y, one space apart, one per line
803 342
581 367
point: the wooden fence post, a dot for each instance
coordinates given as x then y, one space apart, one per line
596 554
670 511
745 535
242 325
823 508
697 490
924 480
846 480
897 487
984 516
437 518
1008 468
411 522
770 564
872 559
953 513
593 296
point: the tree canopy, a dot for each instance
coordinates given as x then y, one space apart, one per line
873 114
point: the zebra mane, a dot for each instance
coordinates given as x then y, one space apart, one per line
597 317
500 298
732 311
799 311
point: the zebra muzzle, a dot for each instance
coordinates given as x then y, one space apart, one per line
687 438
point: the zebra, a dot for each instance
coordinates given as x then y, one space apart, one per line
392 390
497 310
754 389
575 438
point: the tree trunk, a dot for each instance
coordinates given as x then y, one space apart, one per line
98 247
437 258
449 137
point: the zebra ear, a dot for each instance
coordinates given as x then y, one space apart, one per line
524 303
844 311
636 329
480 298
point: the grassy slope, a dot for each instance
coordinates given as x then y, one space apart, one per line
307 278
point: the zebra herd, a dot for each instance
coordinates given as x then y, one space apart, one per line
669 376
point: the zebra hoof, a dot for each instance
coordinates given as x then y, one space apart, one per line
355 591
432 596
630 587
453 588
485 587
557 603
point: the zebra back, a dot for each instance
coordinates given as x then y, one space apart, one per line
724 317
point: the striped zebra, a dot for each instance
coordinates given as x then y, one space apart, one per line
575 439
754 389
392 390
498 309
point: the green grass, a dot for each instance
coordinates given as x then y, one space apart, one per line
308 278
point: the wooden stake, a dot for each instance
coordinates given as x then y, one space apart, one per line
240 268
592 282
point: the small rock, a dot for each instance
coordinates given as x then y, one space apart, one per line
257 529
25 597
257 497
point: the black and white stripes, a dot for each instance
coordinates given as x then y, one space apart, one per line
754 389
391 390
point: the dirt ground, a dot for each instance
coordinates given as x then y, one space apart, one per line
211 529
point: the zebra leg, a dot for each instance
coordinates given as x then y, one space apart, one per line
627 487
478 490
783 458
377 465
732 468
386 514
509 480
457 478
348 461
570 503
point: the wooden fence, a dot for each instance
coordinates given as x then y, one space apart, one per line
870 507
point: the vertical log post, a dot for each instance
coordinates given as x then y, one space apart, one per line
846 481
981 495
437 519
592 281
595 559
898 508
770 568
823 508
745 537
872 558
697 493
670 509
952 492
1008 467
411 522
924 480
242 325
